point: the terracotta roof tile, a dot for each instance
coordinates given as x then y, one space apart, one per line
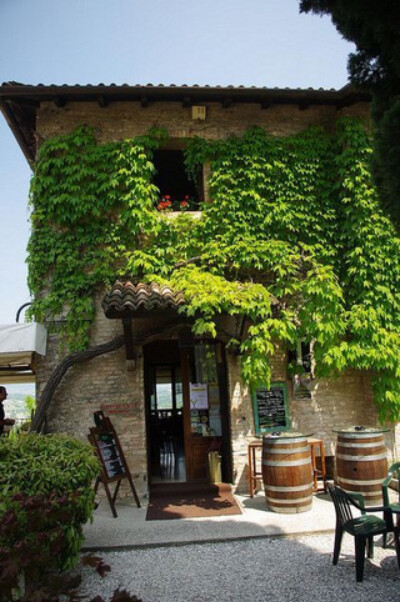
228 87
126 298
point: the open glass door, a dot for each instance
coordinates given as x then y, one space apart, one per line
203 417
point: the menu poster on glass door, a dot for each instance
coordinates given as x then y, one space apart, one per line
198 396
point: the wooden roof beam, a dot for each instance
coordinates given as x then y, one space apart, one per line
304 104
129 346
347 101
266 103
59 101
103 101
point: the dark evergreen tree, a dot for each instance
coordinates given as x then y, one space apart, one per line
374 26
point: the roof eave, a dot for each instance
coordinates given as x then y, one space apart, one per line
19 102
12 90
16 129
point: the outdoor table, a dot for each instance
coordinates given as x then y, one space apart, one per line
287 472
255 473
319 473
361 461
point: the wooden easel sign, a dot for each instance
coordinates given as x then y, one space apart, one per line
114 467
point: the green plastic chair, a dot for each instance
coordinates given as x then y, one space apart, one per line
393 473
363 528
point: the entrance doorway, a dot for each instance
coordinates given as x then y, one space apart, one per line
186 411
167 450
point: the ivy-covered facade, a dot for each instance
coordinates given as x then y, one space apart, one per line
235 239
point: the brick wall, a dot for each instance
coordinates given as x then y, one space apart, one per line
105 382
127 119
335 403
100 383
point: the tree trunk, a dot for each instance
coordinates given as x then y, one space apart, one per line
81 356
58 373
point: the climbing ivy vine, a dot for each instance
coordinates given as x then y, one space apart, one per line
293 239
90 203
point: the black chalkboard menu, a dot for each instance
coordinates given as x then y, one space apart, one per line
110 455
270 407
109 451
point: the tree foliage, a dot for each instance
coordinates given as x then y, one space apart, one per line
374 27
294 239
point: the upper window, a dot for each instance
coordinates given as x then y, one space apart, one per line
177 191
300 358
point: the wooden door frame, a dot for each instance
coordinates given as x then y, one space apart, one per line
225 406
184 353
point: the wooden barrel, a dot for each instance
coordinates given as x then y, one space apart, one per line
361 463
287 473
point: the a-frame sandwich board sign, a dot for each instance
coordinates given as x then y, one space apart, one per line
114 467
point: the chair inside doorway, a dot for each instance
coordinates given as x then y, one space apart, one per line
167 455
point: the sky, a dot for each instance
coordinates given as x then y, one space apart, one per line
212 42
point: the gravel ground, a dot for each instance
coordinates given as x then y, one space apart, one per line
258 570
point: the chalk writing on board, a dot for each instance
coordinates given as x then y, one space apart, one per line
110 456
270 408
108 449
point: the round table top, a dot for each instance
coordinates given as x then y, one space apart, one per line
360 430
286 435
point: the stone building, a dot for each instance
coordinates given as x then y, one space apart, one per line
173 397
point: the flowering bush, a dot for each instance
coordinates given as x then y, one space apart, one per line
166 203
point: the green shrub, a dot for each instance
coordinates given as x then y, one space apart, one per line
49 466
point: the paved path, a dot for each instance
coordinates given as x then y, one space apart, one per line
131 529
